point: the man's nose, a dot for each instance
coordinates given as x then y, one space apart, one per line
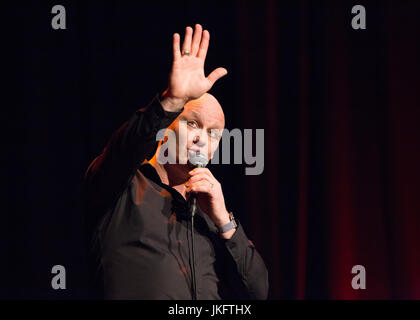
199 139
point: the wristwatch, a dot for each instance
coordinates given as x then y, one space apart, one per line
230 225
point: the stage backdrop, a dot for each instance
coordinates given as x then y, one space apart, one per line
340 113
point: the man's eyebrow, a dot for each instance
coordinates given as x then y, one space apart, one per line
197 115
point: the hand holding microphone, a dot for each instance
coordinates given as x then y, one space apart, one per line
206 190
198 160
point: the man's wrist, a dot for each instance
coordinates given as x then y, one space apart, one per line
225 218
172 104
228 234
227 225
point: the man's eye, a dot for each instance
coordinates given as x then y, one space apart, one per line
214 134
192 124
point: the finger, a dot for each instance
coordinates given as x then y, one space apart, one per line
186 45
175 46
199 170
210 185
199 187
204 45
196 40
206 171
199 177
216 75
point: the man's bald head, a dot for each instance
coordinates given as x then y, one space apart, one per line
209 108
198 128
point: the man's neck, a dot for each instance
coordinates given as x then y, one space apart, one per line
174 175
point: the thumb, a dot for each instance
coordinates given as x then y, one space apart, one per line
216 75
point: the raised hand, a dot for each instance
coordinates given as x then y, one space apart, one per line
187 80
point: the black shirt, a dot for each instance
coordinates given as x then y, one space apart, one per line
139 229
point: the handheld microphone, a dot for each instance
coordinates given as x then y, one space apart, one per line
198 160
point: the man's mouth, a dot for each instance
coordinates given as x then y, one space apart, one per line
193 151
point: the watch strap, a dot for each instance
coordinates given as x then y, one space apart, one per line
230 225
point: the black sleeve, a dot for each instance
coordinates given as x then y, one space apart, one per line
244 269
110 172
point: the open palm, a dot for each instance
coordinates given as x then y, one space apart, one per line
187 79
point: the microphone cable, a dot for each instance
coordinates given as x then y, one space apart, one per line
194 282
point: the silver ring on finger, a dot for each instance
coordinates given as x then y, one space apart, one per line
186 52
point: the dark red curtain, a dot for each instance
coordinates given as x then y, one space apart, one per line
341 112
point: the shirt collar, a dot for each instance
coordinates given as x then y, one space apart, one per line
180 205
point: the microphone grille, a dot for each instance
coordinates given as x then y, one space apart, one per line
198 160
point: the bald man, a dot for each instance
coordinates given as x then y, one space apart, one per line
143 242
